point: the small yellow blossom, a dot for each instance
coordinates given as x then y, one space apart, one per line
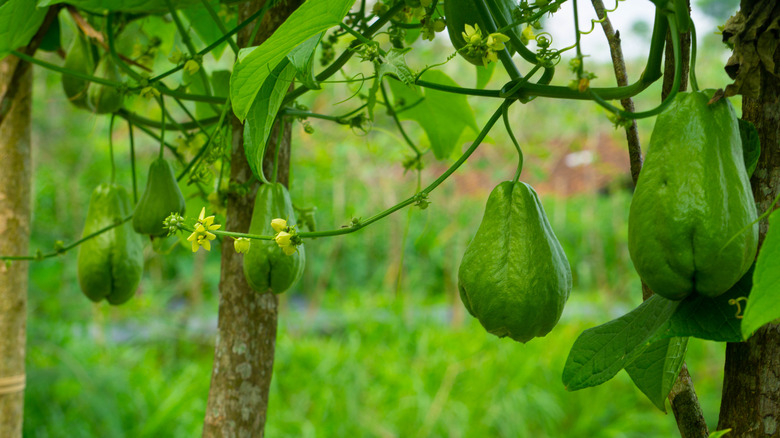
202 235
289 250
496 41
242 245
472 35
279 225
175 56
283 238
149 92
191 67
527 35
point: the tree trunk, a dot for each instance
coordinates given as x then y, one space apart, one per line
15 104
246 333
751 383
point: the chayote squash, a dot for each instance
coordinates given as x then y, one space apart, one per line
161 198
689 226
80 58
266 267
103 99
514 276
110 264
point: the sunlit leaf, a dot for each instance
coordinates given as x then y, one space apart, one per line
762 305
254 64
655 370
19 21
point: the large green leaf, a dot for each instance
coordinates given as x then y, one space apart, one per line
121 5
443 116
254 64
302 57
762 306
19 20
601 352
263 111
714 319
655 370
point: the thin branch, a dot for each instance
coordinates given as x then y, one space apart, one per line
616 51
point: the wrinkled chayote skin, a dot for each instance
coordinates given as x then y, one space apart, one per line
514 276
266 267
692 197
110 265
161 197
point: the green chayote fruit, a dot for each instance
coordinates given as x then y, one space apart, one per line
266 267
689 227
514 276
161 197
110 264
80 58
103 99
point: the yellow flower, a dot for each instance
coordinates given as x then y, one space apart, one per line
289 250
202 235
279 224
283 239
490 56
148 92
191 67
242 245
472 35
496 41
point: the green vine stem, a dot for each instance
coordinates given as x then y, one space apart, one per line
394 116
202 150
692 70
505 113
503 55
140 120
675 85
111 148
220 25
132 160
63 249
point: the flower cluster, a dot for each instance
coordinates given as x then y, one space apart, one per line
487 48
202 235
286 237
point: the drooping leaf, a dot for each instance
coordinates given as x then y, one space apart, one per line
751 145
762 305
261 115
601 352
655 370
714 319
252 65
443 116
302 57
19 20
156 6
200 19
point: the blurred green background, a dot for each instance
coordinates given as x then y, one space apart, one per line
374 340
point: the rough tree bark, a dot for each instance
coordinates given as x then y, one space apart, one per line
15 231
246 333
15 178
750 404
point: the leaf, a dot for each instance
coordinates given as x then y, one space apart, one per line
762 305
208 31
713 319
484 74
720 433
302 57
263 112
655 370
252 65
394 64
443 116
219 86
601 352
122 5
751 146
19 21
